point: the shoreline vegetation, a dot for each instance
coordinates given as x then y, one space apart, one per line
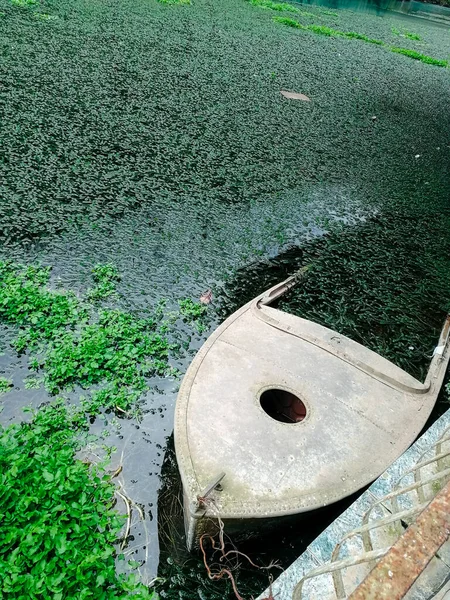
59 525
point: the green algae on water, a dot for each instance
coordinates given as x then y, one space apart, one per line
277 6
429 60
174 1
361 36
5 385
330 32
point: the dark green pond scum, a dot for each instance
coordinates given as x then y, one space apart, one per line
147 156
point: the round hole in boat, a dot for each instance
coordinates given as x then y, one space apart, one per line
283 406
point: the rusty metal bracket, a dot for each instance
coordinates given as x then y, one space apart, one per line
396 572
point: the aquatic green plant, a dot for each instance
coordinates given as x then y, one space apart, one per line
361 36
303 13
193 313
330 32
26 302
406 34
33 383
76 345
429 60
278 6
24 3
394 303
329 13
45 17
192 310
327 31
58 523
289 22
114 348
5 385
282 7
174 1
105 277
412 36
322 30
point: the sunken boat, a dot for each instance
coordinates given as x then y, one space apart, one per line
278 416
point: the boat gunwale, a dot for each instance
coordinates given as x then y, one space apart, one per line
420 388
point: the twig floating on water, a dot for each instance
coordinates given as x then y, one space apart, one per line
128 527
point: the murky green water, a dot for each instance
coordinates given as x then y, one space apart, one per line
155 137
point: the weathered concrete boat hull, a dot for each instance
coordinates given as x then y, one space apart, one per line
290 416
